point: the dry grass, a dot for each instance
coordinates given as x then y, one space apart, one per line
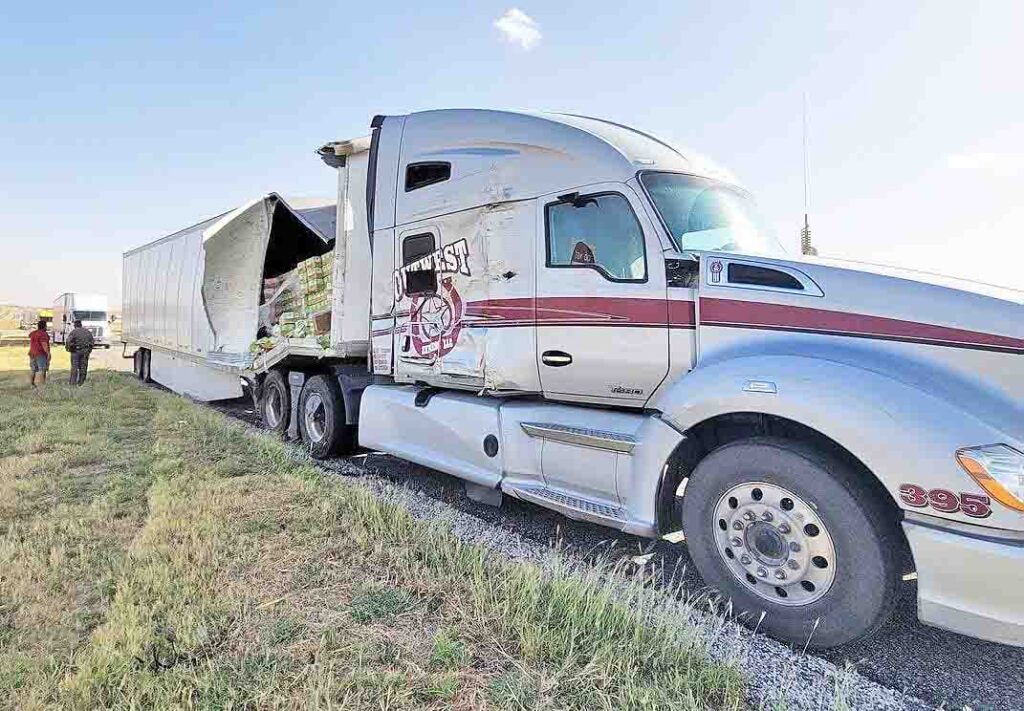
15 358
154 555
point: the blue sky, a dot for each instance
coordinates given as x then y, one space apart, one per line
120 123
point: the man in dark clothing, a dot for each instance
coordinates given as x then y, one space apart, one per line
39 353
79 343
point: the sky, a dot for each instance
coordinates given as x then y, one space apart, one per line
120 123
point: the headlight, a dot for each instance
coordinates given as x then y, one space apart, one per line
999 470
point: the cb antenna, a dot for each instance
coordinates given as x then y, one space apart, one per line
805 234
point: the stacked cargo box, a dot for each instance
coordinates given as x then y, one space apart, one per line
297 304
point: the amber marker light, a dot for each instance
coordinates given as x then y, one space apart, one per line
999 470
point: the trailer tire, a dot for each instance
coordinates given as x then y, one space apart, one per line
137 363
146 371
801 544
321 415
275 402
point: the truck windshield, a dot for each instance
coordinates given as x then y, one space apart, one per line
706 215
90 316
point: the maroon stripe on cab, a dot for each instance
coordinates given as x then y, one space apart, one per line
681 314
580 311
753 314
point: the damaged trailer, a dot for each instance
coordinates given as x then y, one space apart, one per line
196 305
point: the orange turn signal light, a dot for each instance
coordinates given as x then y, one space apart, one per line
993 487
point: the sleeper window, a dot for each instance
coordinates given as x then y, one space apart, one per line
598 232
420 175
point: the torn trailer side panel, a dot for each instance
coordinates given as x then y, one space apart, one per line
195 296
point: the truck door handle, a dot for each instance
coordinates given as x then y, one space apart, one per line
556 359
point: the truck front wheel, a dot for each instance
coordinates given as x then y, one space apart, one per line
796 539
275 403
322 419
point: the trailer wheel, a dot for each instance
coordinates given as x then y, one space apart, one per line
146 366
322 419
795 538
275 402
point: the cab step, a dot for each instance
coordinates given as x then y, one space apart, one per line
574 507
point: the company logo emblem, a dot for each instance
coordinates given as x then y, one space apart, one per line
450 259
435 320
716 271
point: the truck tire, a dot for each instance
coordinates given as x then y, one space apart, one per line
275 402
322 419
804 548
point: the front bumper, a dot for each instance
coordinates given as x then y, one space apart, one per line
969 579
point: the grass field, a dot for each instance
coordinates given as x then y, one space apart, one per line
153 554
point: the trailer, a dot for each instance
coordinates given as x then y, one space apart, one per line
574 313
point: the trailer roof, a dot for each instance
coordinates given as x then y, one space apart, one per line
317 213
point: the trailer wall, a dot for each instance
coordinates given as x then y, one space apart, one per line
162 287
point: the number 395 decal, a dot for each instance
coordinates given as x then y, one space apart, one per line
945 501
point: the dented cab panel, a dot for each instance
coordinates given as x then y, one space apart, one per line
459 276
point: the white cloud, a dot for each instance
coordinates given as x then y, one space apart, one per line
518 28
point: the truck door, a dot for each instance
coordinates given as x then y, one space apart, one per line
601 309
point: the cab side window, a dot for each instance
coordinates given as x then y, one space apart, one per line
598 232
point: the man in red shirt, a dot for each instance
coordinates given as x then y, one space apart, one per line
39 353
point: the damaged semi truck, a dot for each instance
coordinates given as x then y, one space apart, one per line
571 312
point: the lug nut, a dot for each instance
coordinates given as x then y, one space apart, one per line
784 528
762 573
745 559
794 546
738 525
792 565
780 574
767 516
737 542
749 515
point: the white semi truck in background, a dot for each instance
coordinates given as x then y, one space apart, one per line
571 312
91 309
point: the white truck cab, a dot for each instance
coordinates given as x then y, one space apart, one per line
91 309
572 312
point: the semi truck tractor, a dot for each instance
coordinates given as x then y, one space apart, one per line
574 313
90 309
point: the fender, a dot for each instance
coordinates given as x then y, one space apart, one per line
903 432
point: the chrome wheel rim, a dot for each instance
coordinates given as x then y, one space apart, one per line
775 544
275 407
315 413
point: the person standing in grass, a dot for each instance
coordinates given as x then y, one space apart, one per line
79 343
39 353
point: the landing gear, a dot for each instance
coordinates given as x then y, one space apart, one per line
797 539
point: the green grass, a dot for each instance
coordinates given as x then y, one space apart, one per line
155 555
